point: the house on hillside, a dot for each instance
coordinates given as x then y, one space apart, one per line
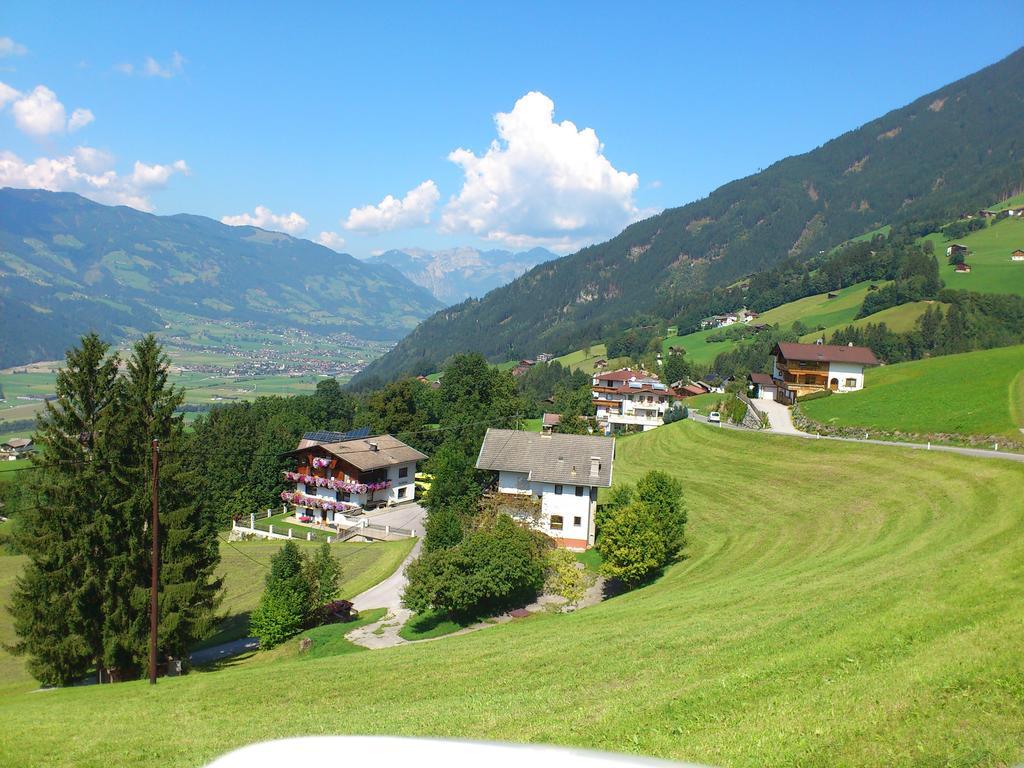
344 473
549 421
956 250
763 387
555 478
16 448
545 357
962 268
805 368
1017 255
629 399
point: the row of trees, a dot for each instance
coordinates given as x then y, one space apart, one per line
82 600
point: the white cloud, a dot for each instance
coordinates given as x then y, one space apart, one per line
150 67
80 118
332 240
412 210
540 183
9 47
87 171
39 113
149 176
264 218
7 94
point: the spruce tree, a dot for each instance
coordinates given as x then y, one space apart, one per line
57 604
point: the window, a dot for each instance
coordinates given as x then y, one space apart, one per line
558 491
402 490
579 490
851 383
577 521
556 520
403 471
593 494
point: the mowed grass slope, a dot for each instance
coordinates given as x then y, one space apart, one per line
841 604
989 258
976 393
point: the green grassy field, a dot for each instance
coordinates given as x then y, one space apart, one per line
976 393
244 566
899 319
877 618
989 258
583 360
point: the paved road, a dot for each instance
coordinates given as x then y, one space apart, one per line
223 651
792 431
388 593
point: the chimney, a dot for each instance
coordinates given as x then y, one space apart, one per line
373 446
595 466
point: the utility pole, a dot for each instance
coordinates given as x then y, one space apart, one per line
155 565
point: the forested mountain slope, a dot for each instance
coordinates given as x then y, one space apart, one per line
69 265
951 151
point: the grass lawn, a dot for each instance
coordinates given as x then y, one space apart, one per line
704 403
977 393
839 604
591 559
426 625
244 566
10 466
989 257
898 319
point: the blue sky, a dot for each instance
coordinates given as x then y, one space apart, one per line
324 110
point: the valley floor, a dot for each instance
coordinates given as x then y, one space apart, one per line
840 604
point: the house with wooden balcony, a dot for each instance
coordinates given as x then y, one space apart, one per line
805 368
630 399
341 474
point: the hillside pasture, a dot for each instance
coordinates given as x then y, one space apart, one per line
989 259
975 393
899 319
879 623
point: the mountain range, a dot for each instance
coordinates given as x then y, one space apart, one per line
456 274
948 152
69 265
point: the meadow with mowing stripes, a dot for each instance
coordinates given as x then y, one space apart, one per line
838 604
975 393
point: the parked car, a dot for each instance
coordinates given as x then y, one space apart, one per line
715 417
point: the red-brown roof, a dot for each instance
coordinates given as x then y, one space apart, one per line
826 353
762 380
691 390
626 373
551 419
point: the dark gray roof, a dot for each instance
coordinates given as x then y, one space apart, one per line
557 458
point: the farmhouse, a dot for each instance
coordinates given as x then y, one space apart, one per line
16 448
956 250
558 475
962 268
806 368
1017 255
343 473
626 399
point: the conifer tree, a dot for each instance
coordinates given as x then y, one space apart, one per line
57 604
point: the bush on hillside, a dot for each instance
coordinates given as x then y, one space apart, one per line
490 570
564 575
814 395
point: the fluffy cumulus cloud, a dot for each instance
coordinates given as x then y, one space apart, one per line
9 47
264 218
89 172
540 183
150 67
40 113
413 210
332 240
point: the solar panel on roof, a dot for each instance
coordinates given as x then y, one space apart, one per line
336 437
658 386
636 384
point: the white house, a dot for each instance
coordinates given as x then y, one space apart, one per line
16 448
626 398
561 472
806 368
339 474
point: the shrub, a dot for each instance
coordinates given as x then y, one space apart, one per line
490 570
443 529
631 544
814 395
285 603
564 575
